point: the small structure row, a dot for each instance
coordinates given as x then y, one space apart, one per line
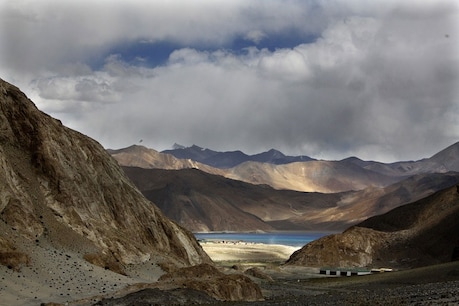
351 271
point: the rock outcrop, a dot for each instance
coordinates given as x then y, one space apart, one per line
207 278
418 234
62 187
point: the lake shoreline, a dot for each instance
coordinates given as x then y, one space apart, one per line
240 251
288 238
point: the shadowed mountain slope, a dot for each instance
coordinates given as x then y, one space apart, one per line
203 202
354 207
421 233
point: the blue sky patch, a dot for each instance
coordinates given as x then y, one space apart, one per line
152 54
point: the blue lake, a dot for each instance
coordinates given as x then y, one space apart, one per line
296 239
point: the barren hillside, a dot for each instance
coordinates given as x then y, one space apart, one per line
72 225
422 233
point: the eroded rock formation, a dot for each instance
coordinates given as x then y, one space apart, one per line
61 186
207 278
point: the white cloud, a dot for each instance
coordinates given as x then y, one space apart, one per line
63 31
379 83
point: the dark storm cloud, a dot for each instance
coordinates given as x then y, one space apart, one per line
377 81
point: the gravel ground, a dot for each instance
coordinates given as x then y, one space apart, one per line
422 294
287 285
434 285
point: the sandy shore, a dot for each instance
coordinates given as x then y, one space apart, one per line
246 251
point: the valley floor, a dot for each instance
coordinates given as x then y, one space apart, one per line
433 285
293 285
65 281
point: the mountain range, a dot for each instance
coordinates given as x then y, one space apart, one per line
399 215
340 193
230 159
205 202
310 176
443 161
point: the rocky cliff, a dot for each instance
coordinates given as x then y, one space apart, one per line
418 234
61 186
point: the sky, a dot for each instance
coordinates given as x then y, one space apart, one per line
325 78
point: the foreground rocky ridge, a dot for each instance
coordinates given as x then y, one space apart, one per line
55 179
422 233
72 225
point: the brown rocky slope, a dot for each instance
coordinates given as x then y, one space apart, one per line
203 202
64 200
418 234
55 178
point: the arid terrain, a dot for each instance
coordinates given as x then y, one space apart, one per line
73 226
297 285
433 285
197 200
343 193
75 230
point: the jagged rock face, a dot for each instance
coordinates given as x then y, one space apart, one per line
60 185
418 234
